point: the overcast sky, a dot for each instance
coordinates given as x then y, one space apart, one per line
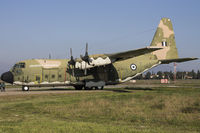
36 28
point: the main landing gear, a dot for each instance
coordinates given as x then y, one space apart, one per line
99 88
88 88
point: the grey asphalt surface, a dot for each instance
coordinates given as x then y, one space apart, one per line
49 90
56 90
70 89
43 90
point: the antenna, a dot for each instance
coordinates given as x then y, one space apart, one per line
49 56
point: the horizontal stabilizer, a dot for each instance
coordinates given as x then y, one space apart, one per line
133 53
178 60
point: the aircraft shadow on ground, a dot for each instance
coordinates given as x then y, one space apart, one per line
54 89
139 88
128 90
117 90
120 90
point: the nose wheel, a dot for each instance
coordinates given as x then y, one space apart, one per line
25 88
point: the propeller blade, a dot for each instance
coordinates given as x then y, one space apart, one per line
72 61
73 67
86 58
72 58
71 51
86 50
85 71
81 56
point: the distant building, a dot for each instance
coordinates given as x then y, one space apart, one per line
154 76
188 77
164 81
133 81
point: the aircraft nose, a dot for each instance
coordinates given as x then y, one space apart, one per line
7 77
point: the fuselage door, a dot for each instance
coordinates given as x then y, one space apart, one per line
38 78
53 75
50 75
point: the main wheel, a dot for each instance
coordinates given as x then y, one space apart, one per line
88 88
99 88
25 88
78 87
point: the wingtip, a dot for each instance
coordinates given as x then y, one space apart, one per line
194 58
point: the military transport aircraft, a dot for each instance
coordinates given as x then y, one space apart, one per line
96 71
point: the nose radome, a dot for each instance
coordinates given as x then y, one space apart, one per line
7 77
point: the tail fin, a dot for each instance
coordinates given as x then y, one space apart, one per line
164 37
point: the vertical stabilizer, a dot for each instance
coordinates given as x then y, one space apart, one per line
164 37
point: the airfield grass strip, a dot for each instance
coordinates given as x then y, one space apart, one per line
113 110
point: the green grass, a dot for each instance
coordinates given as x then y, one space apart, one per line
159 109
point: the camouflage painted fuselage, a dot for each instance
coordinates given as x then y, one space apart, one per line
50 72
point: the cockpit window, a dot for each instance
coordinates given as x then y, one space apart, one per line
20 65
16 66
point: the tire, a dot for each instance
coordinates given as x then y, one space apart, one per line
78 87
88 88
99 88
25 88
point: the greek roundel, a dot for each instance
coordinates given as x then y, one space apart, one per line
133 67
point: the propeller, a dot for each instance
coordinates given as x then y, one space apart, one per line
86 58
72 62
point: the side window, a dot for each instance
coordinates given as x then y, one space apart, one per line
37 78
46 76
16 66
22 65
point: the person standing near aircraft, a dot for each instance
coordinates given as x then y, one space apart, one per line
2 85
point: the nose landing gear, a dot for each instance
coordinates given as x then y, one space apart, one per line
25 88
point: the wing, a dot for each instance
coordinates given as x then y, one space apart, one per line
105 59
167 61
96 60
133 53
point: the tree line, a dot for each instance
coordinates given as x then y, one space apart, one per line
170 75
